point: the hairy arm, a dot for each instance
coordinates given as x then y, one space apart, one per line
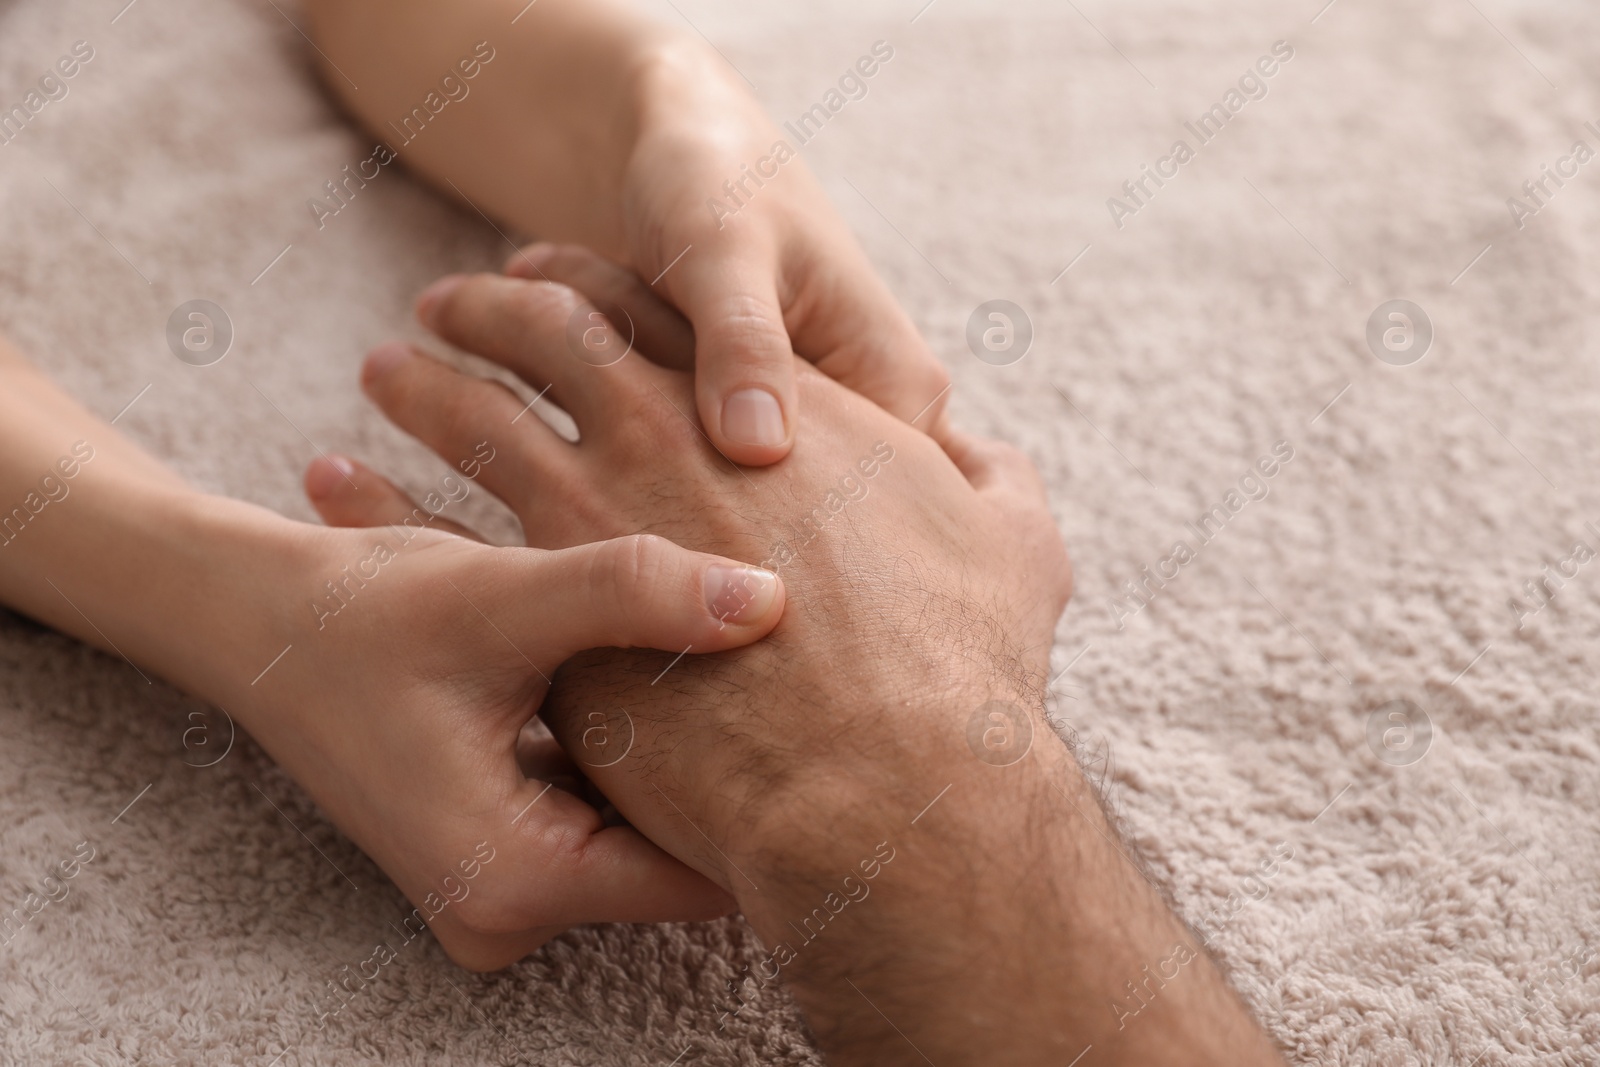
922 903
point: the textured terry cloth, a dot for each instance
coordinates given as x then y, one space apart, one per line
1437 912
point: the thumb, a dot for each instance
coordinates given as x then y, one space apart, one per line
744 363
643 591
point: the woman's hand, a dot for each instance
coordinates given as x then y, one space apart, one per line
390 670
768 269
592 125
416 660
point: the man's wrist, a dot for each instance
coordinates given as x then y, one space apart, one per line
879 906
888 764
884 730
919 877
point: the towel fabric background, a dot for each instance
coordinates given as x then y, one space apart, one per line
1374 910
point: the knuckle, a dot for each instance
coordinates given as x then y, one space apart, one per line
630 569
932 375
537 306
909 359
659 423
748 332
583 511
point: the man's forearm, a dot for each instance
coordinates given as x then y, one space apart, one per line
921 901
990 916
538 136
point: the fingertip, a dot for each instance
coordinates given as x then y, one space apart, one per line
328 476
382 360
430 299
754 426
629 878
744 360
744 601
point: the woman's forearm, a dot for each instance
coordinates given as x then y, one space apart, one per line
389 671
100 541
583 123
527 110
37 420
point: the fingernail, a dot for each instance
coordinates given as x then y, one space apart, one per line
740 594
383 359
429 300
753 417
326 476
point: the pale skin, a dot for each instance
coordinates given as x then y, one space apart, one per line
595 126
1010 916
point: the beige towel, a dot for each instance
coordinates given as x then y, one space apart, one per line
1441 911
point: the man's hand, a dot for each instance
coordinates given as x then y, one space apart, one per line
882 539
593 125
876 783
